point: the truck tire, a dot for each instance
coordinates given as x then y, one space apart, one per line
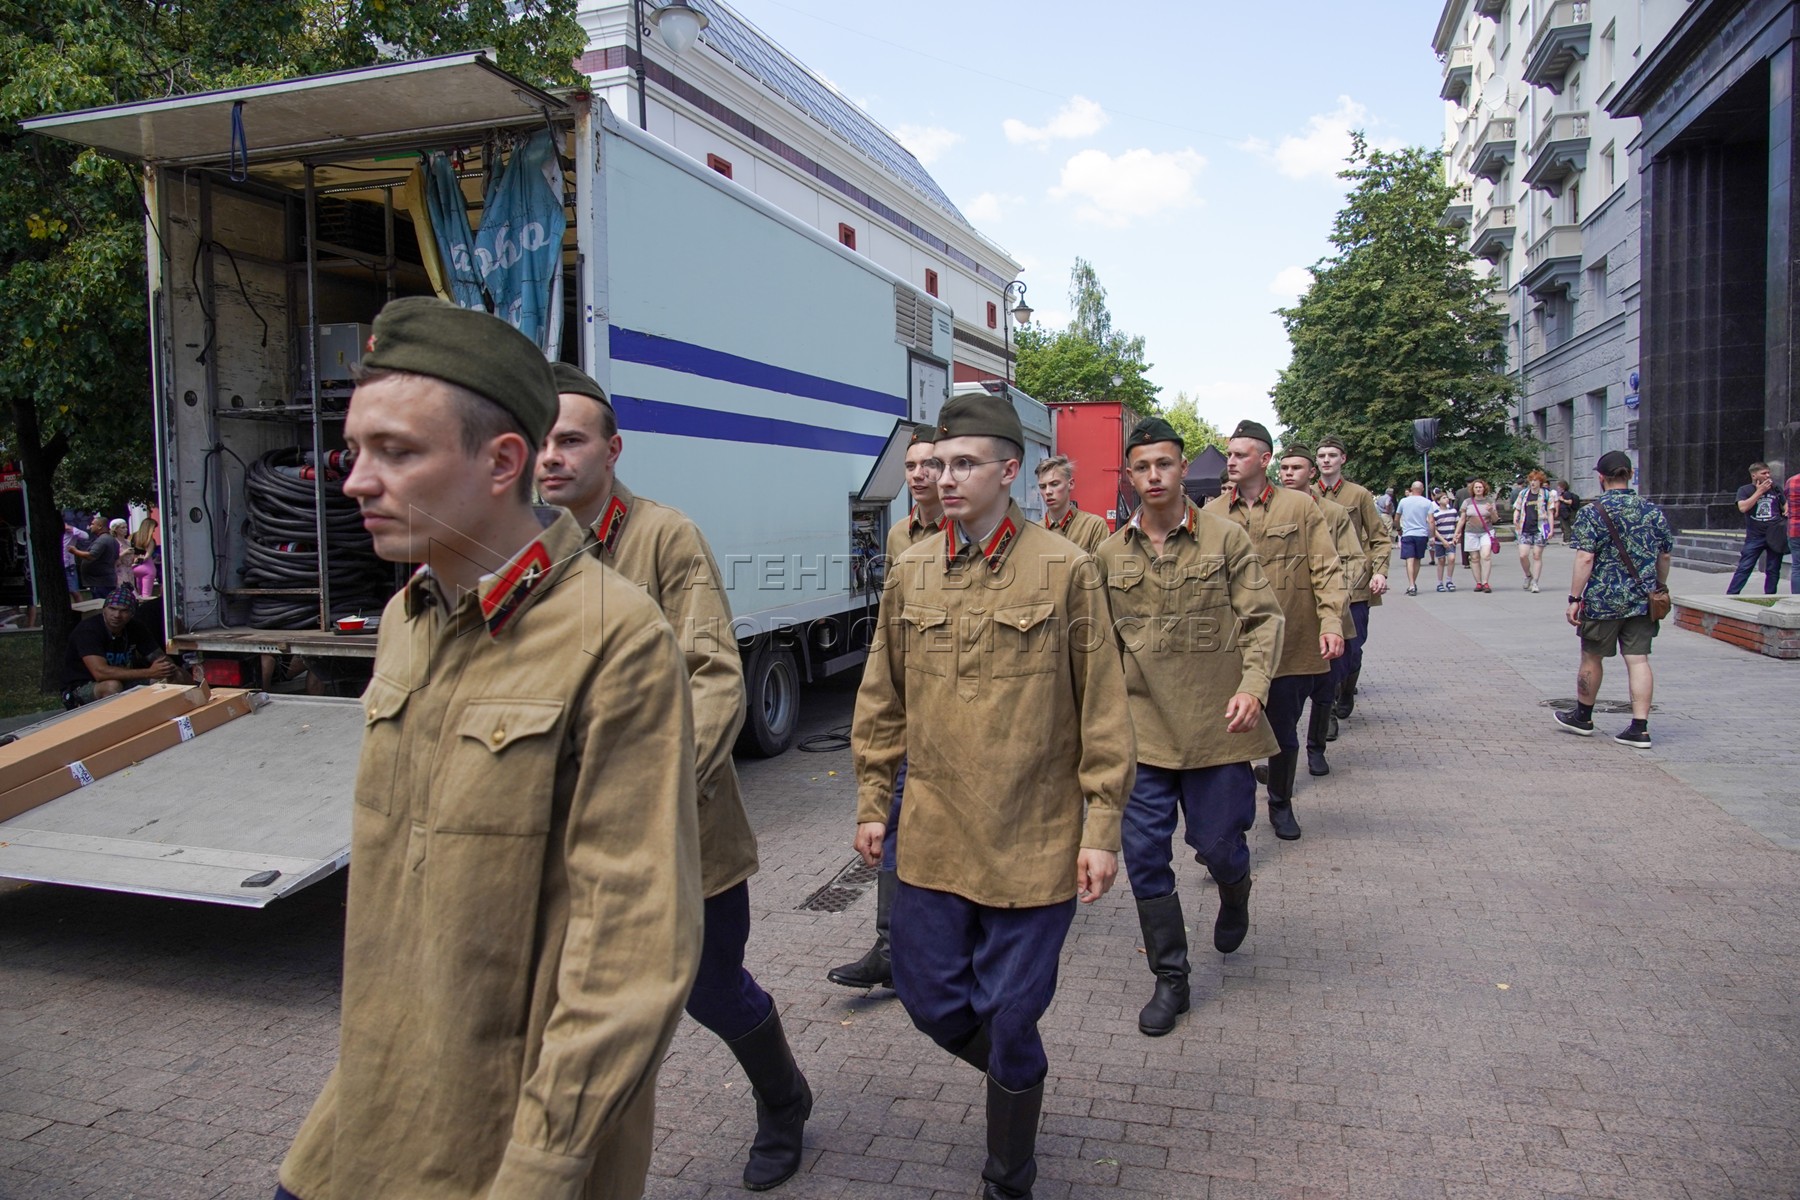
772 708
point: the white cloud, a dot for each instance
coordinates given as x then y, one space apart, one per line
927 142
1291 283
1318 153
1138 183
1079 118
988 207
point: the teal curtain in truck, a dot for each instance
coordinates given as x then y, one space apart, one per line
518 251
450 228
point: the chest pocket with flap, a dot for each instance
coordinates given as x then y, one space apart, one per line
499 770
384 746
929 648
1027 641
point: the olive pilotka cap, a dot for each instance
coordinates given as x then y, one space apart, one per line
1334 443
423 335
1298 450
1153 429
923 435
572 379
1253 429
981 415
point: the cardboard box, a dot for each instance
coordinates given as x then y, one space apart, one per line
93 728
226 705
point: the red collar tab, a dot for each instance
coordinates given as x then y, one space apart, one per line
1262 497
995 550
1333 489
503 600
611 524
1068 515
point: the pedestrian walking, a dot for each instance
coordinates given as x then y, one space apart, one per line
664 553
1534 524
1765 530
1297 472
1200 633
1475 530
1793 529
1415 533
523 921
1443 540
146 550
1302 567
1055 476
1374 529
993 675
1622 547
1567 505
876 968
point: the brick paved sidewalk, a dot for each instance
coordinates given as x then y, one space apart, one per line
1474 976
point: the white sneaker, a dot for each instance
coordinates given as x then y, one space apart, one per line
1534 586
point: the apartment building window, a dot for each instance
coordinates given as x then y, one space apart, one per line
1608 44
993 315
1597 420
1596 289
847 235
931 282
718 164
1609 169
1574 192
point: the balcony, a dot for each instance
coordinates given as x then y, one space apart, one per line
1494 149
1459 210
1493 234
1561 38
1553 262
1489 8
1558 153
1459 74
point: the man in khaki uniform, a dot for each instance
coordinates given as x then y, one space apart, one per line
1200 630
524 913
1302 566
664 553
994 677
876 967
1297 472
1055 476
1376 533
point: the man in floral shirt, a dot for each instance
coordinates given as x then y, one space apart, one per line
1609 599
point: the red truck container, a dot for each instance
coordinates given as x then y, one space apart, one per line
1092 435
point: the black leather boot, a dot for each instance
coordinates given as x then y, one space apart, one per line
1317 726
1012 1122
1331 728
783 1102
1234 915
876 968
973 1049
1281 795
1346 701
1165 946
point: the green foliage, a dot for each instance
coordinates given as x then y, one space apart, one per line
1197 433
74 358
1078 364
1396 326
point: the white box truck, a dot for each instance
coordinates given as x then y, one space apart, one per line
765 378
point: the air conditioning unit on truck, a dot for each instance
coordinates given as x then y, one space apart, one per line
765 378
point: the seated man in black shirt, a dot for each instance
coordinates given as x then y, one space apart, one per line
110 651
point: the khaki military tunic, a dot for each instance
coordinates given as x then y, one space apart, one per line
1375 534
524 915
994 675
1196 624
1298 557
1083 528
662 551
908 534
1349 551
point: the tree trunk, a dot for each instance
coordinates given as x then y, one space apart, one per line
38 463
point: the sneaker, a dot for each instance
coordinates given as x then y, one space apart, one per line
1450 586
1440 585
1579 727
1412 591
1534 586
1637 739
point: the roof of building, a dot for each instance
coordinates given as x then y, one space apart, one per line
755 53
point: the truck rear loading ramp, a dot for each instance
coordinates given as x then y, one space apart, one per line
208 819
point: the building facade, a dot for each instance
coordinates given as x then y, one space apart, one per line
738 102
1547 198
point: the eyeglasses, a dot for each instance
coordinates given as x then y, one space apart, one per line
958 468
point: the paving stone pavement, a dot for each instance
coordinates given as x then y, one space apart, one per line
1502 962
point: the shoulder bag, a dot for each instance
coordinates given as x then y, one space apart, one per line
1660 600
1493 538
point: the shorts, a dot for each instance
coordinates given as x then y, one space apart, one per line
1412 547
1626 635
1534 539
1473 542
1440 551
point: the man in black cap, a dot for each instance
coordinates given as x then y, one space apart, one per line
1301 564
110 651
992 675
1622 548
524 916
1297 471
1374 529
876 968
664 552
1200 631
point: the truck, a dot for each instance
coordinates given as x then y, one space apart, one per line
766 378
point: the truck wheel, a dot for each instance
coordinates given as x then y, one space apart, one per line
772 694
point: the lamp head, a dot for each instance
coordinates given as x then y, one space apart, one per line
679 24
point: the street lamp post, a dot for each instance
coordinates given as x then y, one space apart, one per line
678 23
1020 312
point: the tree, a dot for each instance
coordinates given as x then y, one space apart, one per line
74 358
1397 326
1197 433
1078 364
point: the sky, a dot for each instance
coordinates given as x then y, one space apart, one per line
1187 148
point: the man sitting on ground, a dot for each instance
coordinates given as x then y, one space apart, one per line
110 651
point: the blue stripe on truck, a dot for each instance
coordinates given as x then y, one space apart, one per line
654 350
683 420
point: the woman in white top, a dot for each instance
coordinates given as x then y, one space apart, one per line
1475 530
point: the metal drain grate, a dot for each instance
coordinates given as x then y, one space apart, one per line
1567 704
843 890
